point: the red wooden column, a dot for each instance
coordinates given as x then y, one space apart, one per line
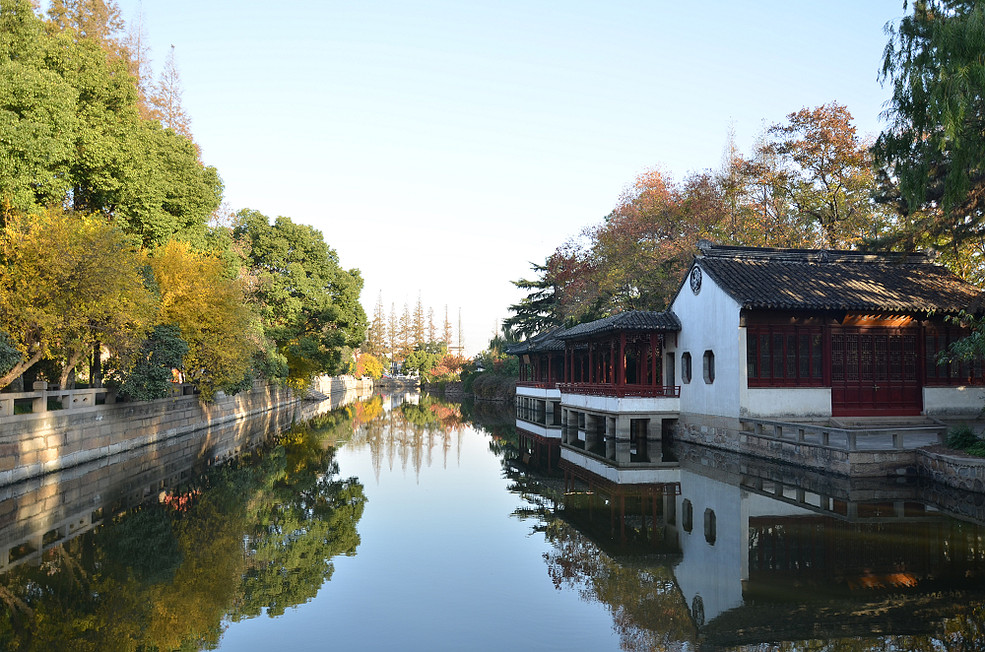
621 367
655 353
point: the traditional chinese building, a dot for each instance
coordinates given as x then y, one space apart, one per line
759 343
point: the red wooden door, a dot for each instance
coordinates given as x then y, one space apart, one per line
874 372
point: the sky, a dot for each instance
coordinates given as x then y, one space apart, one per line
442 147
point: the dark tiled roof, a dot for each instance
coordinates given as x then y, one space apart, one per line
787 279
633 320
542 343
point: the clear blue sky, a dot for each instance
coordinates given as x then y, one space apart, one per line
442 146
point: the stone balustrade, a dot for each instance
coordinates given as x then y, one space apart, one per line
850 439
69 399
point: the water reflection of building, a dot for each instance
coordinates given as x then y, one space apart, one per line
762 551
762 547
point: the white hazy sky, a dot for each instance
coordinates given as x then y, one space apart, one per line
442 146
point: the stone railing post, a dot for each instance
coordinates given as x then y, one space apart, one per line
40 403
6 406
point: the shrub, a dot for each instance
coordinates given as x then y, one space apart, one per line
962 437
977 450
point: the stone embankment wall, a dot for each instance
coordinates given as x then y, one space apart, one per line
957 471
36 444
76 467
329 385
452 391
32 445
43 511
944 469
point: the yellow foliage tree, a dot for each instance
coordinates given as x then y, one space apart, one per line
69 281
208 307
368 364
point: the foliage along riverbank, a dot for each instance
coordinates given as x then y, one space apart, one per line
120 261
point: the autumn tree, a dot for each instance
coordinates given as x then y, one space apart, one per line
393 331
368 364
446 329
405 333
209 310
808 183
96 20
417 322
636 257
828 176
165 99
766 216
68 282
135 44
376 334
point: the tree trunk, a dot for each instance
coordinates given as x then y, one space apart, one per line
19 369
96 368
68 369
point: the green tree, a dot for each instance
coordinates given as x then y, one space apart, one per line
151 376
72 134
537 312
932 155
425 357
309 306
38 123
9 355
165 192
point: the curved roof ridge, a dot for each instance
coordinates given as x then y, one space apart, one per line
711 250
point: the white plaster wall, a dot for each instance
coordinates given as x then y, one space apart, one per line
759 505
625 405
953 400
716 571
713 571
623 475
548 432
539 392
766 402
709 321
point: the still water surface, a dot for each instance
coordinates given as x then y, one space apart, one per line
402 523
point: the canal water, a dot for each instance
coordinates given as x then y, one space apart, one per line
406 523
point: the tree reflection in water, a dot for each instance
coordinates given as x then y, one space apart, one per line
648 610
253 536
